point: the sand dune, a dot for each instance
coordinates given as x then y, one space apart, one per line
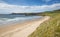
22 29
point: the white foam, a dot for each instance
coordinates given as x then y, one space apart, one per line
14 20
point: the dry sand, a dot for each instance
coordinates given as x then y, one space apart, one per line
22 29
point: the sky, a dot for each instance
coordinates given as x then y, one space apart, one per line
28 6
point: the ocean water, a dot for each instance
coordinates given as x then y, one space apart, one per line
6 18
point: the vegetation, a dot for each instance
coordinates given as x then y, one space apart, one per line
50 28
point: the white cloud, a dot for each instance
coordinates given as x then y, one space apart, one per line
46 0
1 1
7 8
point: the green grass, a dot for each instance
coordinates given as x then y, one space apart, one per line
50 28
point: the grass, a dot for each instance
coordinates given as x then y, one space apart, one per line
50 28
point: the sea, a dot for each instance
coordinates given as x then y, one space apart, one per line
10 19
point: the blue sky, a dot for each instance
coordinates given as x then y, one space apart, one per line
32 2
22 6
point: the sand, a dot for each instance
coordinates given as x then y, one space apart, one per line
22 29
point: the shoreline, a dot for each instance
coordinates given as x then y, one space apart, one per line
15 22
20 28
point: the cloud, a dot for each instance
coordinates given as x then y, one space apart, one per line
7 8
46 0
1 1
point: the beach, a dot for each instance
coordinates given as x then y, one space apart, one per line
22 29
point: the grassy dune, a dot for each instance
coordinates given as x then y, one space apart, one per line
50 28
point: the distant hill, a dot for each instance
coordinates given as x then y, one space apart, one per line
27 14
38 13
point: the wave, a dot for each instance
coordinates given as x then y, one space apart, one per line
16 19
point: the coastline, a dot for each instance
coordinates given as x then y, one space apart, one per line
12 22
7 31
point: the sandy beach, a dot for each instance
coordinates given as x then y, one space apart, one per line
22 29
